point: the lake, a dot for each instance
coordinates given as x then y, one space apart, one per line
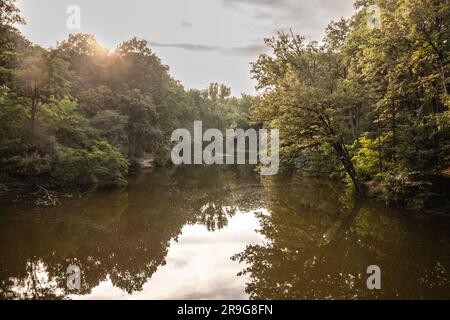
221 232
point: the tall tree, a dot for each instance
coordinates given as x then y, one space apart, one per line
32 77
306 96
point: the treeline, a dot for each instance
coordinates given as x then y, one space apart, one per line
368 104
79 115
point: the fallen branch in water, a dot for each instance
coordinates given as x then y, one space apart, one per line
49 199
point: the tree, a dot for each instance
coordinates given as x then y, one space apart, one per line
32 77
9 13
404 69
306 96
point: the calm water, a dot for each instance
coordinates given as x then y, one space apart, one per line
221 233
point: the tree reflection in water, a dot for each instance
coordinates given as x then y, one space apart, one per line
321 242
122 235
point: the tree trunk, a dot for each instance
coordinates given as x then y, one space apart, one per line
348 165
34 106
394 133
342 154
33 116
380 147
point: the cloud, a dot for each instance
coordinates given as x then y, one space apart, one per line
292 7
247 50
305 17
186 46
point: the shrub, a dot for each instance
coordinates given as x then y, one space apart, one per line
406 188
101 165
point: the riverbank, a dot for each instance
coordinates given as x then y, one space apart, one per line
428 196
434 201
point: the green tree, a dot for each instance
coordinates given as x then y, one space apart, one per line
306 96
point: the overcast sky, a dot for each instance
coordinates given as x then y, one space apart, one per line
202 41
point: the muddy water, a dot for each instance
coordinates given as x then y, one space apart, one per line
221 233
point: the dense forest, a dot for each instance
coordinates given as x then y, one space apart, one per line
370 103
79 115
367 105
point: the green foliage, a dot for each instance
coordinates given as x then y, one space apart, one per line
111 125
405 187
384 92
79 115
368 158
31 166
65 153
61 120
366 104
13 117
319 161
101 165
306 98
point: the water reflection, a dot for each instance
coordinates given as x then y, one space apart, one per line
172 232
198 265
121 236
322 241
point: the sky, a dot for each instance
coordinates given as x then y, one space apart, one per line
202 41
